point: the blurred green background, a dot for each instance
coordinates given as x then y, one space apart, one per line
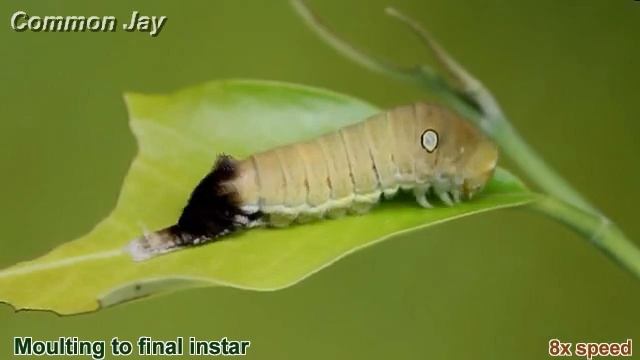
495 286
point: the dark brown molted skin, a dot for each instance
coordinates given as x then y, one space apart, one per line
212 211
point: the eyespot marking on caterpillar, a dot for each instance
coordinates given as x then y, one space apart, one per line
429 140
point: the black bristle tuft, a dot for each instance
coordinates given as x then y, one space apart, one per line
213 208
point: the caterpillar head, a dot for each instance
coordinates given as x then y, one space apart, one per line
462 153
479 167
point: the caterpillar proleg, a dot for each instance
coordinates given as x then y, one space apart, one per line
420 147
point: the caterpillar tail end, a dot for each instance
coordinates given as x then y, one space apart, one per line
153 244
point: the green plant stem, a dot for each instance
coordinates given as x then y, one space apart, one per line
540 173
598 229
347 49
563 202
471 99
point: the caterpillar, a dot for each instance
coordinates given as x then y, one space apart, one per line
422 147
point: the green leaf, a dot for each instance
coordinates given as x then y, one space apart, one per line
179 136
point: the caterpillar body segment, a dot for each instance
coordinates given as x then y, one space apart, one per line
420 147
